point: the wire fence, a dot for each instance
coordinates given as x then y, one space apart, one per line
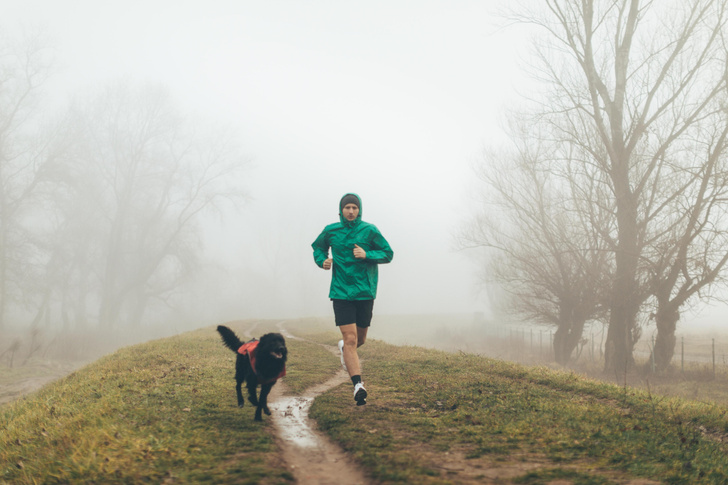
534 344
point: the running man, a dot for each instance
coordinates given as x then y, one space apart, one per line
357 249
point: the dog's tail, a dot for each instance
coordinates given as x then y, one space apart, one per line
229 338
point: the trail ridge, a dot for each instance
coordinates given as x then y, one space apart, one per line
310 455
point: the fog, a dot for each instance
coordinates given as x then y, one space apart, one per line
393 102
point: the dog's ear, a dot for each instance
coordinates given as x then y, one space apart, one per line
273 337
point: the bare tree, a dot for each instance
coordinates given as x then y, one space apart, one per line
541 247
139 178
69 239
631 83
689 252
24 67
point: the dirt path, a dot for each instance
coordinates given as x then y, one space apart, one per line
15 390
309 454
12 389
314 459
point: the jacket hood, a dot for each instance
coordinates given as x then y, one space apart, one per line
341 216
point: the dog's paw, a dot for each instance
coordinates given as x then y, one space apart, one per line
241 404
266 411
258 416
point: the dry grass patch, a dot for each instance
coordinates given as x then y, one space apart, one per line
424 403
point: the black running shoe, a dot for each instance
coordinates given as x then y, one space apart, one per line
360 394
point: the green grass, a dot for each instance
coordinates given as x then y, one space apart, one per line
166 411
161 410
426 405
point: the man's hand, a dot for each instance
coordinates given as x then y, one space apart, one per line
359 253
328 263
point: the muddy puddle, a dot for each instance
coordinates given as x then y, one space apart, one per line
292 421
310 455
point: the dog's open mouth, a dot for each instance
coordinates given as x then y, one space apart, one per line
277 355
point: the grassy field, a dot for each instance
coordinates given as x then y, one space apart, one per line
164 412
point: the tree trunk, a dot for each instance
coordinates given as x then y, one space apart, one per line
111 295
139 307
618 349
43 308
3 275
666 320
109 311
80 314
624 303
566 338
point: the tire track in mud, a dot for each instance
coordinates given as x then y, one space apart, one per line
310 455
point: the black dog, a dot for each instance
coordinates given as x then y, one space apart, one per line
259 362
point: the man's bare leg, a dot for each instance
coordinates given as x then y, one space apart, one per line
350 334
354 337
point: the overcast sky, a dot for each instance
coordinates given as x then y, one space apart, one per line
391 100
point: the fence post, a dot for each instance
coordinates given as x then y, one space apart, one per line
713 357
652 354
682 354
540 343
592 346
531 340
551 346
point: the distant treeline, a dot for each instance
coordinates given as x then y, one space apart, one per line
101 200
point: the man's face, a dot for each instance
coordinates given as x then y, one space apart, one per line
350 212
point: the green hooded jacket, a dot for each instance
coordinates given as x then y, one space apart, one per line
351 278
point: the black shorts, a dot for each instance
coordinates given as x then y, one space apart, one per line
353 311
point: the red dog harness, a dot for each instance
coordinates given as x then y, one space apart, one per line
248 349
